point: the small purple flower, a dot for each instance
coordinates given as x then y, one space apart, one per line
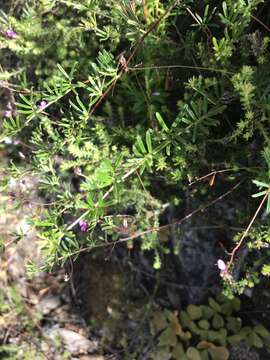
42 105
7 113
11 34
83 225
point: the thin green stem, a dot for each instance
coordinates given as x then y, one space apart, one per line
165 67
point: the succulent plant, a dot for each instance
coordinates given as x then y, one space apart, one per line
206 332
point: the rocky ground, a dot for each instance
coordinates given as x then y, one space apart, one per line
37 317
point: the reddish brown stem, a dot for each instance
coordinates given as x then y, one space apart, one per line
240 242
131 56
157 229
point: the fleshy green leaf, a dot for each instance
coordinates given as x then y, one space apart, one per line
219 353
194 312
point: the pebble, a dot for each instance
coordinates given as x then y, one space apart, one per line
74 342
48 304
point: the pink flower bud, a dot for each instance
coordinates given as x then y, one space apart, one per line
83 225
11 34
221 265
42 105
8 114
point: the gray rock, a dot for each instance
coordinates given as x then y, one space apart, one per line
74 342
48 304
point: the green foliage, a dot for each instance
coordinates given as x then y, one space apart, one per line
24 351
13 308
116 113
206 331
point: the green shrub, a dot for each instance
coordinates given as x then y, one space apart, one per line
119 106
